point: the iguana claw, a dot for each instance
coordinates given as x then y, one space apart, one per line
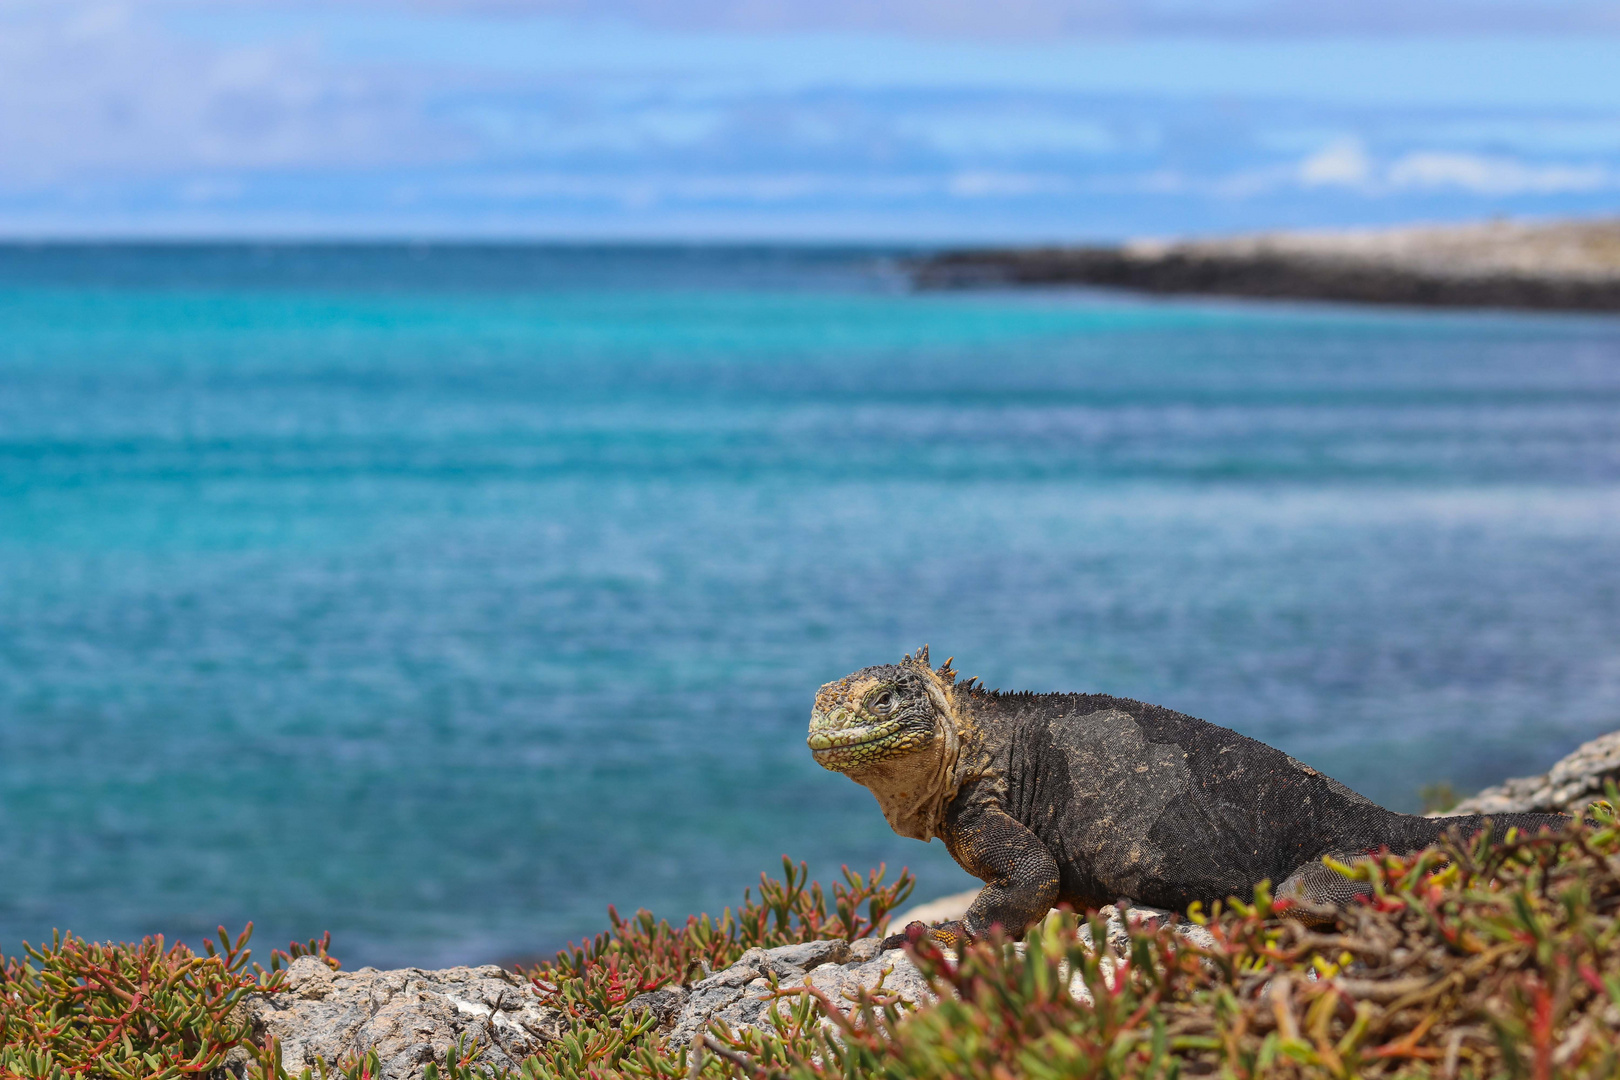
950 935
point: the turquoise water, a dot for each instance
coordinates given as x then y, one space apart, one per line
441 597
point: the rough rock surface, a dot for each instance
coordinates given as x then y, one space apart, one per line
1147 920
740 995
409 1017
1566 788
1144 920
947 908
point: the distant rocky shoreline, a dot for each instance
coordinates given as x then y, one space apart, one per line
1567 265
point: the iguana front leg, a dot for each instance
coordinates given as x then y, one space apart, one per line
1020 875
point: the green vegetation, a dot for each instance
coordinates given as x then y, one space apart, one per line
1496 957
593 983
129 1012
1439 797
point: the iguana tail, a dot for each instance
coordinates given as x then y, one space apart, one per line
1317 889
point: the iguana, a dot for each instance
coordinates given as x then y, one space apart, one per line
1086 799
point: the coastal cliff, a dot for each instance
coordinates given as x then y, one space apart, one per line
1568 265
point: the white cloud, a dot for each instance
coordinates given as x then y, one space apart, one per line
1342 163
1012 19
660 189
965 130
97 20
980 184
312 111
210 190
98 89
1346 163
1492 175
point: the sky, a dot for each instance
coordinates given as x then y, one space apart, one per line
825 120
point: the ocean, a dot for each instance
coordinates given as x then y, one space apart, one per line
441 596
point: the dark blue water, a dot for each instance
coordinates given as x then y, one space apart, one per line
441 597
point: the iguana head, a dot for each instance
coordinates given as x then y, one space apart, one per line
893 728
877 714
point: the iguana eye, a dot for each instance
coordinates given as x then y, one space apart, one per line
883 704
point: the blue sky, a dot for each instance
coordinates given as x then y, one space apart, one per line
930 121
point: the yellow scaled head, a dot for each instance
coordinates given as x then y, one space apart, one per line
878 714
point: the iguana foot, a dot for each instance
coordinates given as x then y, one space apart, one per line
950 935
1317 893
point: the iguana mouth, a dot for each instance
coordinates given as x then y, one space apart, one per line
821 739
842 739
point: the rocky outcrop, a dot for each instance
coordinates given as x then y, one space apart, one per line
1147 920
409 1017
741 995
1553 265
1567 788
412 1017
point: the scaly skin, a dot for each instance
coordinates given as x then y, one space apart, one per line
1086 799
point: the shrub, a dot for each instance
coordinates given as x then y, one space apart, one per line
592 982
126 1012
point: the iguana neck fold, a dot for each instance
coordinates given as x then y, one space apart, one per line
913 790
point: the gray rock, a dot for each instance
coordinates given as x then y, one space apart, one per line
1117 939
748 1009
409 1017
749 967
665 1004
810 954
1567 788
704 1003
713 994
742 997
891 971
863 949
1145 920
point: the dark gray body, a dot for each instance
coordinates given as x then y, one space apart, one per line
1089 798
